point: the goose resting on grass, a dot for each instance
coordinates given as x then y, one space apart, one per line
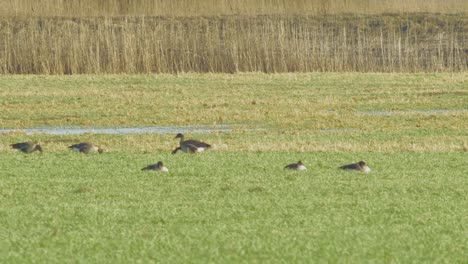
26 147
190 145
86 148
360 166
296 166
156 167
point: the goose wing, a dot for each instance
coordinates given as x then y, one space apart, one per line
151 167
85 146
354 166
23 146
192 148
290 166
197 144
77 146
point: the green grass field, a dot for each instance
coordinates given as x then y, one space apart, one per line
235 203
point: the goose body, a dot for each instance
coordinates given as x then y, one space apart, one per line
190 146
156 167
360 166
299 166
26 147
86 148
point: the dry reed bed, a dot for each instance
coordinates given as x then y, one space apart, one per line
74 8
390 43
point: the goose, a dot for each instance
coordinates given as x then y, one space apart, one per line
360 166
157 167
26 147
86 148
296 166
190 146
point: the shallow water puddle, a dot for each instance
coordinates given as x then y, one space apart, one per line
123 130
401 112
150 129
333 130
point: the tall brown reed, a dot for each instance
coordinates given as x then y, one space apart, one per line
391 43
88 8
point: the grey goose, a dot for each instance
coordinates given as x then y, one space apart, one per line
86 148
156 167
360 166
190 145
296 166
26 147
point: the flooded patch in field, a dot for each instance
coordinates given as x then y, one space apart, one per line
125 130
333 130
402 112
153 129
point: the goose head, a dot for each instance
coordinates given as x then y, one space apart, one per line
180 136
38 147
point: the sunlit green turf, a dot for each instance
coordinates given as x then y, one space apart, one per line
232 207
235 203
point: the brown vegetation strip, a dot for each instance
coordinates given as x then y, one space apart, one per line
391 43
88 8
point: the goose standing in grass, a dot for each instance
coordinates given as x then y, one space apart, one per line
86 148
360 166
156 167
190 145
296 166
26 147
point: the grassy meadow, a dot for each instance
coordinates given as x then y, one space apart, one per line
235 203
232 207
328 82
